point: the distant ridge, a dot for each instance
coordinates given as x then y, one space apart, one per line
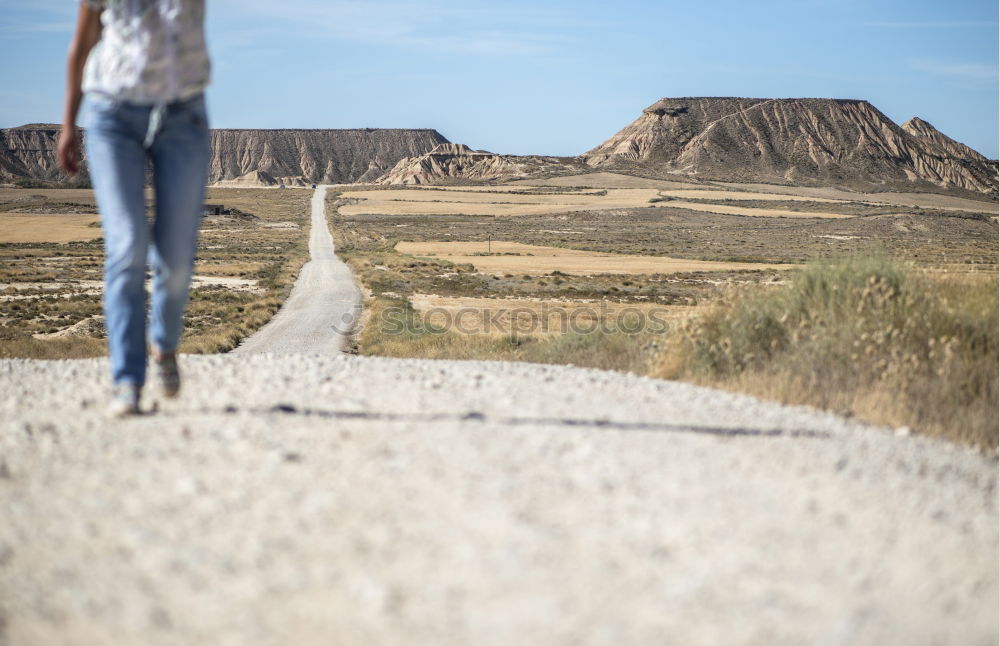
246 157
807 141
822 141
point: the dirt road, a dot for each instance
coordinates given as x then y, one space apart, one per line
315 498
324 304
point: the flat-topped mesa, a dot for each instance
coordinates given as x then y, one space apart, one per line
318 156
821 141
244 157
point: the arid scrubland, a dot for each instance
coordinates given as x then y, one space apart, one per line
651 287
888 314
50 290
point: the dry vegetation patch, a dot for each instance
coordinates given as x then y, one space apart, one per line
19 197
709 194
749 211
50 286
911 200
396 329
862 336
506 257
534 316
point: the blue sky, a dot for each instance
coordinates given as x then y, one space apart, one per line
548 76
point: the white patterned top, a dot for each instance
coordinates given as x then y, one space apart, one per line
151 51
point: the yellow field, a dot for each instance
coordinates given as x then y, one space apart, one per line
20 228
470 315
496 201
536 260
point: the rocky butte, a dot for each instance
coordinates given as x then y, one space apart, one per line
804 141
455 163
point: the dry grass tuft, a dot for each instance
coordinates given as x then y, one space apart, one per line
863 336
28 347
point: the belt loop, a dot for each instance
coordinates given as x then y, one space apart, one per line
155 123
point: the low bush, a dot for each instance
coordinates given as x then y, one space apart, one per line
863 336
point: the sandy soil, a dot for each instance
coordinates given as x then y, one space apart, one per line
537 260
57 228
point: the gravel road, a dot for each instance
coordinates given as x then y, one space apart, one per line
321 498
325 301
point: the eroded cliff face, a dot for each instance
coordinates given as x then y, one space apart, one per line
833 141
952 162
244 157
316 156
941 143
458 162
29 153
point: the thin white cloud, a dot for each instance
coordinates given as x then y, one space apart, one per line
958 70
443 26
64 27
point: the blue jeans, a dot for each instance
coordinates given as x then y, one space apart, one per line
116 155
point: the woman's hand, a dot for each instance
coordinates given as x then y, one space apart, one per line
68 151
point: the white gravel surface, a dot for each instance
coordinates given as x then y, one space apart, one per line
317 499
325 302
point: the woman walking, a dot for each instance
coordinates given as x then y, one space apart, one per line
143 67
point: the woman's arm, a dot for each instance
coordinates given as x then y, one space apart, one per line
88 32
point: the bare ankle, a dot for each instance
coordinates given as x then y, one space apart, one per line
163 355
